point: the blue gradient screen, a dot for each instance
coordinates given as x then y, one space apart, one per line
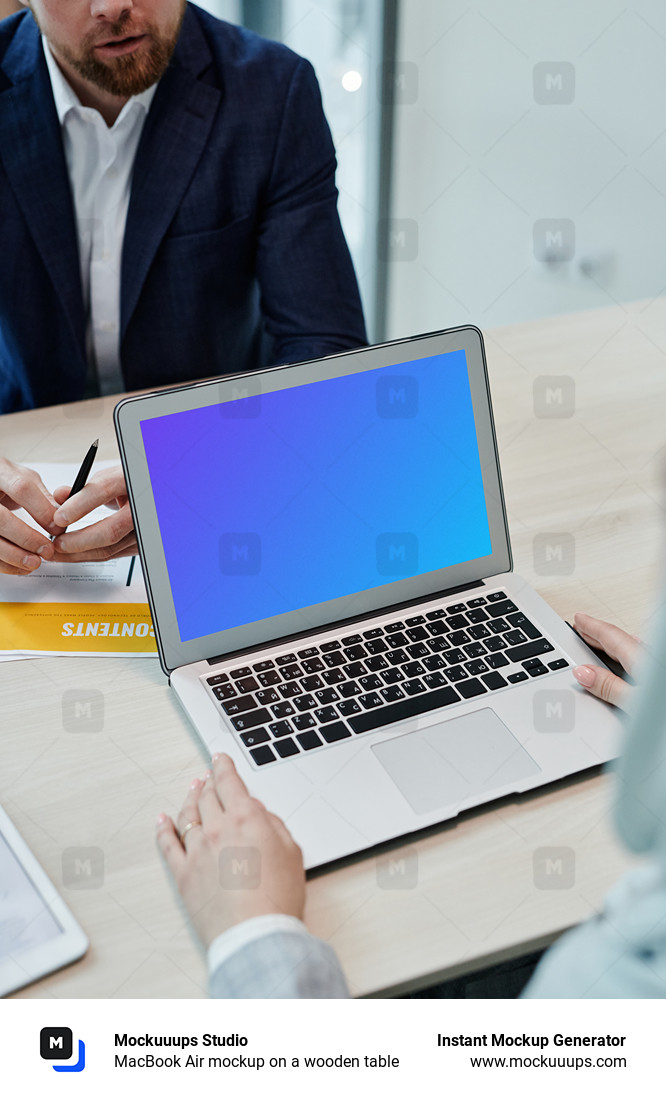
282 501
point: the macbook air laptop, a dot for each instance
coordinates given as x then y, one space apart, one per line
327 557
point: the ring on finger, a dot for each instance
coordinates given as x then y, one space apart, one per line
191 824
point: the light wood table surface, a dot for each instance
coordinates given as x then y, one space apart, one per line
594 474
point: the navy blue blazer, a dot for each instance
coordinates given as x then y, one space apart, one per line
233 257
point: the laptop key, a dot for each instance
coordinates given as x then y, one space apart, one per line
478 602
328 695
371 682
496 595
349 688
477 615
353 639
268 679
286 748
225 691
393 675
263 665
292 671
283 709
517 677
435 679
397 640
407 707
417 633
309 740
413 668
286 658
329 646
515 637
337 730
314 664
333 660
375 663
494 681
263 755
438 628
355 670
433 662
556 664
245 686
458 637
303 721
438 644
494 644
289 690
455 674
370 634
416 621
521 623
392 694
326 714
476 667
539 669
239 706
471 688
305 702
503 607
475 650
399 656
496 660
414 687
478 631
457 608
334 676
251 719
349 706
258 736
213 680
457 621
240 673
354 652
454 656
393 627
370 701
418 650
304 654
376 646
433 615
499 625
312 683
280 728
264 698
529 649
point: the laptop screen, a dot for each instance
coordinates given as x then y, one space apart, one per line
272 503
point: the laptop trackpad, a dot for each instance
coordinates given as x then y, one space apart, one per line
460 758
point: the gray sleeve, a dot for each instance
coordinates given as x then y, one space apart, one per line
282 965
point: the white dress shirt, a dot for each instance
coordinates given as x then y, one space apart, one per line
100 160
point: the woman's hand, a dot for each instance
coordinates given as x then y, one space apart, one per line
230 858
623 647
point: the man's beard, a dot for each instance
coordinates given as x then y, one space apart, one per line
129 74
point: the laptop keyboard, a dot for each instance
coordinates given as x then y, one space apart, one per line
308 698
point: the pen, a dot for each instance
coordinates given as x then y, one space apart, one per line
82 475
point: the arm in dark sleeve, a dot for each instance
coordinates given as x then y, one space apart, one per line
309 295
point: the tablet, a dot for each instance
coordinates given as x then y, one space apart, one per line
37 931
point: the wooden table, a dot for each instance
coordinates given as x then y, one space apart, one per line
594 474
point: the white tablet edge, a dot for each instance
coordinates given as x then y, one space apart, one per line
67 947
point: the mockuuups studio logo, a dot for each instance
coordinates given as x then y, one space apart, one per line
397 553
56 1044
240 553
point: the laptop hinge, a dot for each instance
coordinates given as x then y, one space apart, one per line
344 622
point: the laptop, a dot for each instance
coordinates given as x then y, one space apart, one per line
327 558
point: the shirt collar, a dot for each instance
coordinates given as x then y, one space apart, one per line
66 99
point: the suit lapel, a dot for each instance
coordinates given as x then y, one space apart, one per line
32 154
173 140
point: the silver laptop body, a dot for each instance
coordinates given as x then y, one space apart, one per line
329 570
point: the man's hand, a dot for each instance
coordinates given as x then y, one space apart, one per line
623 647
109 538
224 818
22 548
